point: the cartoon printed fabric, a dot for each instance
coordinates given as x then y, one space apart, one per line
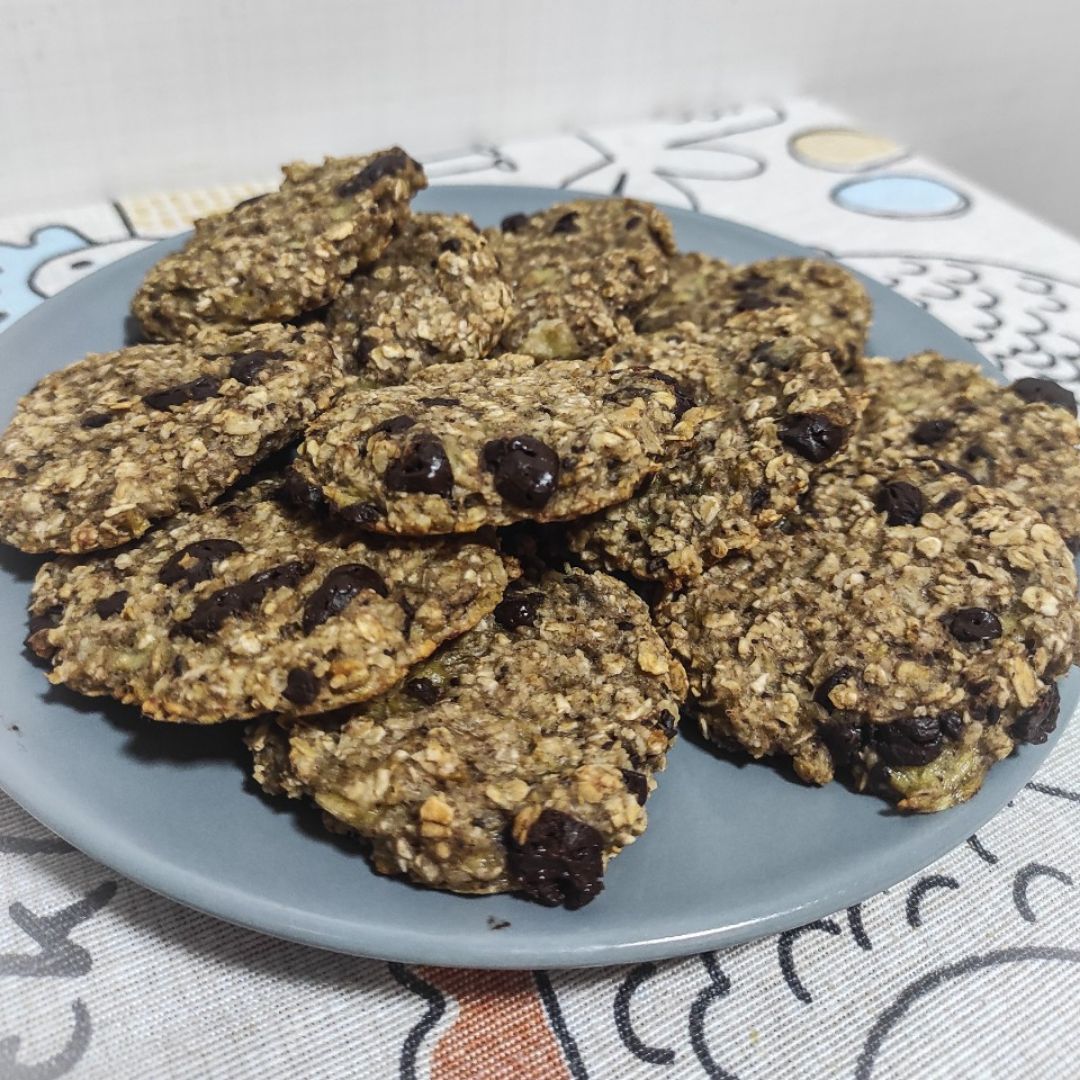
969 969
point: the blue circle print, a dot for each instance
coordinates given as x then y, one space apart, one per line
900 197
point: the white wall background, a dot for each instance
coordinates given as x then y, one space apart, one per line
101 96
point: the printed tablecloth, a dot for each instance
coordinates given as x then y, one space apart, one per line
971 968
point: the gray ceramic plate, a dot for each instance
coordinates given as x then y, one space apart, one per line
733 850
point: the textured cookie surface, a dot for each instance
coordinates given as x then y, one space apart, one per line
519 757
101 449
466 445
580 272
434 297
1024 438
828 304
276 256
251 607
908 628
775 409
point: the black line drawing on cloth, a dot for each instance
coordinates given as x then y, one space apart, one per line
887 1022
471 159
1056 792
58 955
60 1063
858 930
977 846
919 892
550 1001
785 945
1024 876
436 1003
25 845
719 985
652 1055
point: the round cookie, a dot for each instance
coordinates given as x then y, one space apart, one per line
1022 438
775 409
252 607
518 758
580 272
434 297
906 629
100 450
279 255
468 445
828 304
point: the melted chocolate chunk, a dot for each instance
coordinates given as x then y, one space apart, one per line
759 499
423 469
393 161
423 689
567 223
843 737
48 619
337 589
96 420
111 605
561 861
829 684
434 401
211 612
301 687
518 609
245 367
514 222
901 502
299 492
394 426
812 436
913 740
952 725
251 201
752 301
931 432
360 513
195 562
1046 392
637 784
667 722
683 401
1035 724
205 386
451 244
525 470
974 624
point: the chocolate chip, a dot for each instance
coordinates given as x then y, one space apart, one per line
518 609
111 605
632 222
436 401
423 689
667 722
301 687
843 737
683 401
829 684
360 513
337 589
205 386
974 624
514 223
560 862
912 740
750 281
451 244
948 500
636 784
48 619
424 468
567 223
812 436
977 452
394 426
1046 392
1035 724
751 301
95 420
525 470
952 725
625 625
759 498
387 164
211 612
409 611
245 367
299 492
931 432
900 502
250 201
195 562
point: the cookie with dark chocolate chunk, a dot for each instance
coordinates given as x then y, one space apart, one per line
285 253
252 607
99 451
906 650
517 758
491 443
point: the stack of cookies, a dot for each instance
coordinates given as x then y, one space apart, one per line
460 521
